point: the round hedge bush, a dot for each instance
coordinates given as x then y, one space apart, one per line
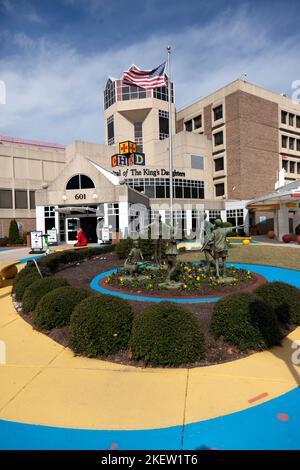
284 298
54 309
100 325
166 334
24 279
35 291
246 321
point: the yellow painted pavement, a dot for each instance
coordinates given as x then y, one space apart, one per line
43 383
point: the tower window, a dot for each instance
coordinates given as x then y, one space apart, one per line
110 130
138 136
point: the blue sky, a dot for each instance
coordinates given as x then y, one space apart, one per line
55 55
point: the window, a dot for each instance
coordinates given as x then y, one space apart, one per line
189 125
32 199
218 112
163 94
113 216
284 164
198 122
86 182
6 199
213 215
80 182
219 164
132 92
138 136
49 217
298 145
298 121
220 189
163 117
49 211
235 217
197 162
291 143
283 117
21 199
218 138
160 187
292 167
109 94
110 130
298 168
284 141
291 119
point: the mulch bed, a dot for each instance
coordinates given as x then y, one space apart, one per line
80 275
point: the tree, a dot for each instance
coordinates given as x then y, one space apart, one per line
14 235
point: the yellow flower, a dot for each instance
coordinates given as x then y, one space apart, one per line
185 286
198 278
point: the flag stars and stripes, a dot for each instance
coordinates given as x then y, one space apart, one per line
147 79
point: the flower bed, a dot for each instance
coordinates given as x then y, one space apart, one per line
192 279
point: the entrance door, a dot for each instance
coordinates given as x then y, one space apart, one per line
72 227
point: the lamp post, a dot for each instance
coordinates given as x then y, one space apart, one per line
170 134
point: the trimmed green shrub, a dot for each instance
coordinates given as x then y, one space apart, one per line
54 260
166 334
54 309
22 280
13 234
4 241
100 325
246 321
35 291
284 298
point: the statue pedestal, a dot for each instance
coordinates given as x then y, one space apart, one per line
226 280
171 285
156 268
139 277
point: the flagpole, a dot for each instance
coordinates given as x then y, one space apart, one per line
170 135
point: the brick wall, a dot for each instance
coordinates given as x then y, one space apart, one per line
28 225
207 121
251 145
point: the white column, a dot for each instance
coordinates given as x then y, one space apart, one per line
246 220
282 221
123 218
57 224
105 214
223 216
189 225
40 218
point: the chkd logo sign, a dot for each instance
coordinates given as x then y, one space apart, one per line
127 156
128 160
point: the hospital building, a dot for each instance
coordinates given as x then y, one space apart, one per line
231 149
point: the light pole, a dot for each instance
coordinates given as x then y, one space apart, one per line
170 134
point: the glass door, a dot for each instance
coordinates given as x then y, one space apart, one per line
72 227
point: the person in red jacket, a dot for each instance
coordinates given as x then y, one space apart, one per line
81 238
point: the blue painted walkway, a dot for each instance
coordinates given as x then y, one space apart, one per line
272 425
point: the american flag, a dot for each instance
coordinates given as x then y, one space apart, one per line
147 79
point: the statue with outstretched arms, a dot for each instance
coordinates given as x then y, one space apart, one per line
220 248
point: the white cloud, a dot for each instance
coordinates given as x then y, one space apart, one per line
54 92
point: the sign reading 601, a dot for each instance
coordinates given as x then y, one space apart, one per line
80 196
